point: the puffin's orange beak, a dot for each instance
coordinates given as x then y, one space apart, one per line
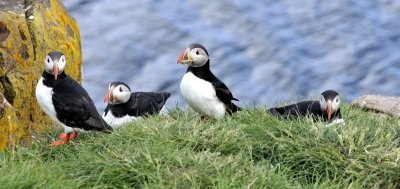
328 110
55 70
184 57
107 97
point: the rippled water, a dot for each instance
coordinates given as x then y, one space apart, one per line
266 52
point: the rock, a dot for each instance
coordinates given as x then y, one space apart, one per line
28 31
385 104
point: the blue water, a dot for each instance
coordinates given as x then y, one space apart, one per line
266 52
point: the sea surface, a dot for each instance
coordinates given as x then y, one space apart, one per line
267 52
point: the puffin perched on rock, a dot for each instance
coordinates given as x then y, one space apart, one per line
65 101
124 106
202 91
327 108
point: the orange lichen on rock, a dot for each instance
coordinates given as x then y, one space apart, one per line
26 36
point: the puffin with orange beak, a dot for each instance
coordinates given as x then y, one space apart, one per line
124 106
65 101
200 88
327 108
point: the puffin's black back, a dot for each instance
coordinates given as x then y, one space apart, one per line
222 91
73 104
140 104
302 109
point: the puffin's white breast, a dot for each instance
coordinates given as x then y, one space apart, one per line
116 122
200 95
44 96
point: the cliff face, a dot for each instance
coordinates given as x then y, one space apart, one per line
28 31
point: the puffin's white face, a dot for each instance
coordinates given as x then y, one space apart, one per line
117 94
330 106
55 64
194 57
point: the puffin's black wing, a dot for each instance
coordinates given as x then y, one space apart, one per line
224 94
74 107
147 103
296 110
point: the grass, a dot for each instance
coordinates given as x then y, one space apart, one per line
251 149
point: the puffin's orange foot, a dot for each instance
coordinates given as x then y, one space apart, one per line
73 135
68 136
64 139
58 143
64 136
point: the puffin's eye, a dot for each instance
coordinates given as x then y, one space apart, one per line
48 60
197 52
120 89
337 100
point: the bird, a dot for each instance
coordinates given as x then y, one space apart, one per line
201 89
65 101
124 106
326 109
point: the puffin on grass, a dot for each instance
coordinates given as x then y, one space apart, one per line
202 91
124 106
65 101
327 108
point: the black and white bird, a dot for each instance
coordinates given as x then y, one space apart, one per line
326 109
124 106
65 101
202 91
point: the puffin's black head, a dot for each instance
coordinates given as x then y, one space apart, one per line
117 93
329 102
55 63
195 55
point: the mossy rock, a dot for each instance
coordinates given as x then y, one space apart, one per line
28 31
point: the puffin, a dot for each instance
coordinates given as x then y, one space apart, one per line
326 109
124 106
201 89
65 101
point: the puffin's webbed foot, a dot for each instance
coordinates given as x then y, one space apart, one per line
58 143
63 136
64 139
71 136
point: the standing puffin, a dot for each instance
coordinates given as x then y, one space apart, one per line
202 91
124 106
327 108
65 101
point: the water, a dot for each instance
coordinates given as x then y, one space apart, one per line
266 52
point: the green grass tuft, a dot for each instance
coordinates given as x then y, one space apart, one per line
251 149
